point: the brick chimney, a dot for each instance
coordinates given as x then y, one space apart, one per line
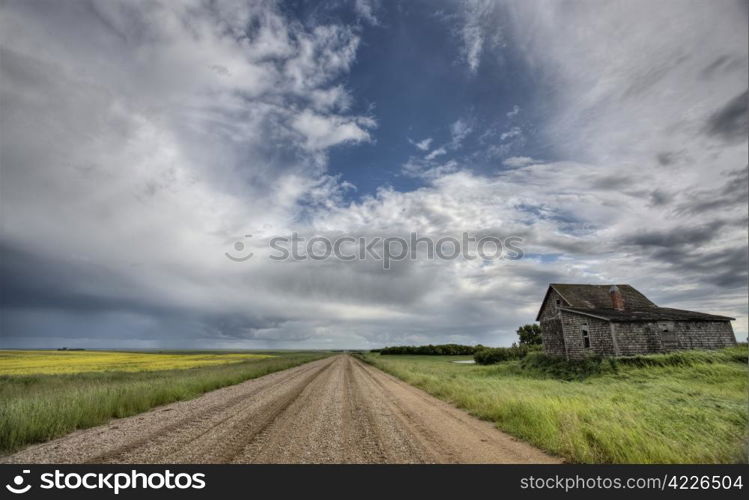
617 299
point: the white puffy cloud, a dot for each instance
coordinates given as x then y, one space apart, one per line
322 132
366 9
510 134
459 130
434 154
518 161
473 32
422 145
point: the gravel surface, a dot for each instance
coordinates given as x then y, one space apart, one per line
335 410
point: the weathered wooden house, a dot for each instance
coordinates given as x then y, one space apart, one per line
617 320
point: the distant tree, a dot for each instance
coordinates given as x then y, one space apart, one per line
442 349
530 334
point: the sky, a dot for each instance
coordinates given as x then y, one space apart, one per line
150 150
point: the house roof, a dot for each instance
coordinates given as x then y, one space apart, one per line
598 296
649 314
595 300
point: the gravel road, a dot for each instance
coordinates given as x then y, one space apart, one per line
335 410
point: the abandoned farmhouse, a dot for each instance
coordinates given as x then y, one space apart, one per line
617 320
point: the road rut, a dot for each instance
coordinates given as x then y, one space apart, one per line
335 410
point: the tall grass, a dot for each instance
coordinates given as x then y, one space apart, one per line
36 408
685 407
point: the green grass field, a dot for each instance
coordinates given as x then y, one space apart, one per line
41 406
686 407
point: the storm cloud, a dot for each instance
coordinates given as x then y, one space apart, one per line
141 141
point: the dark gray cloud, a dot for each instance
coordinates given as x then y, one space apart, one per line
724 268
733 195
676 236
722 64
667 158
69 290
691 252
731 122
660 198
31 280
618 182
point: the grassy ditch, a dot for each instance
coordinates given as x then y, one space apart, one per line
683 407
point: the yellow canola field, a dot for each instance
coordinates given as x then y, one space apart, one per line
62 362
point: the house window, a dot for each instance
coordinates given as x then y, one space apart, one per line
559 302
586 336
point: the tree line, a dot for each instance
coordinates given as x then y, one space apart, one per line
529 340
438 350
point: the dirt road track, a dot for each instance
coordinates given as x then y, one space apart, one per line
335 410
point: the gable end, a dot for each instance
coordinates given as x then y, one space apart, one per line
551 292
